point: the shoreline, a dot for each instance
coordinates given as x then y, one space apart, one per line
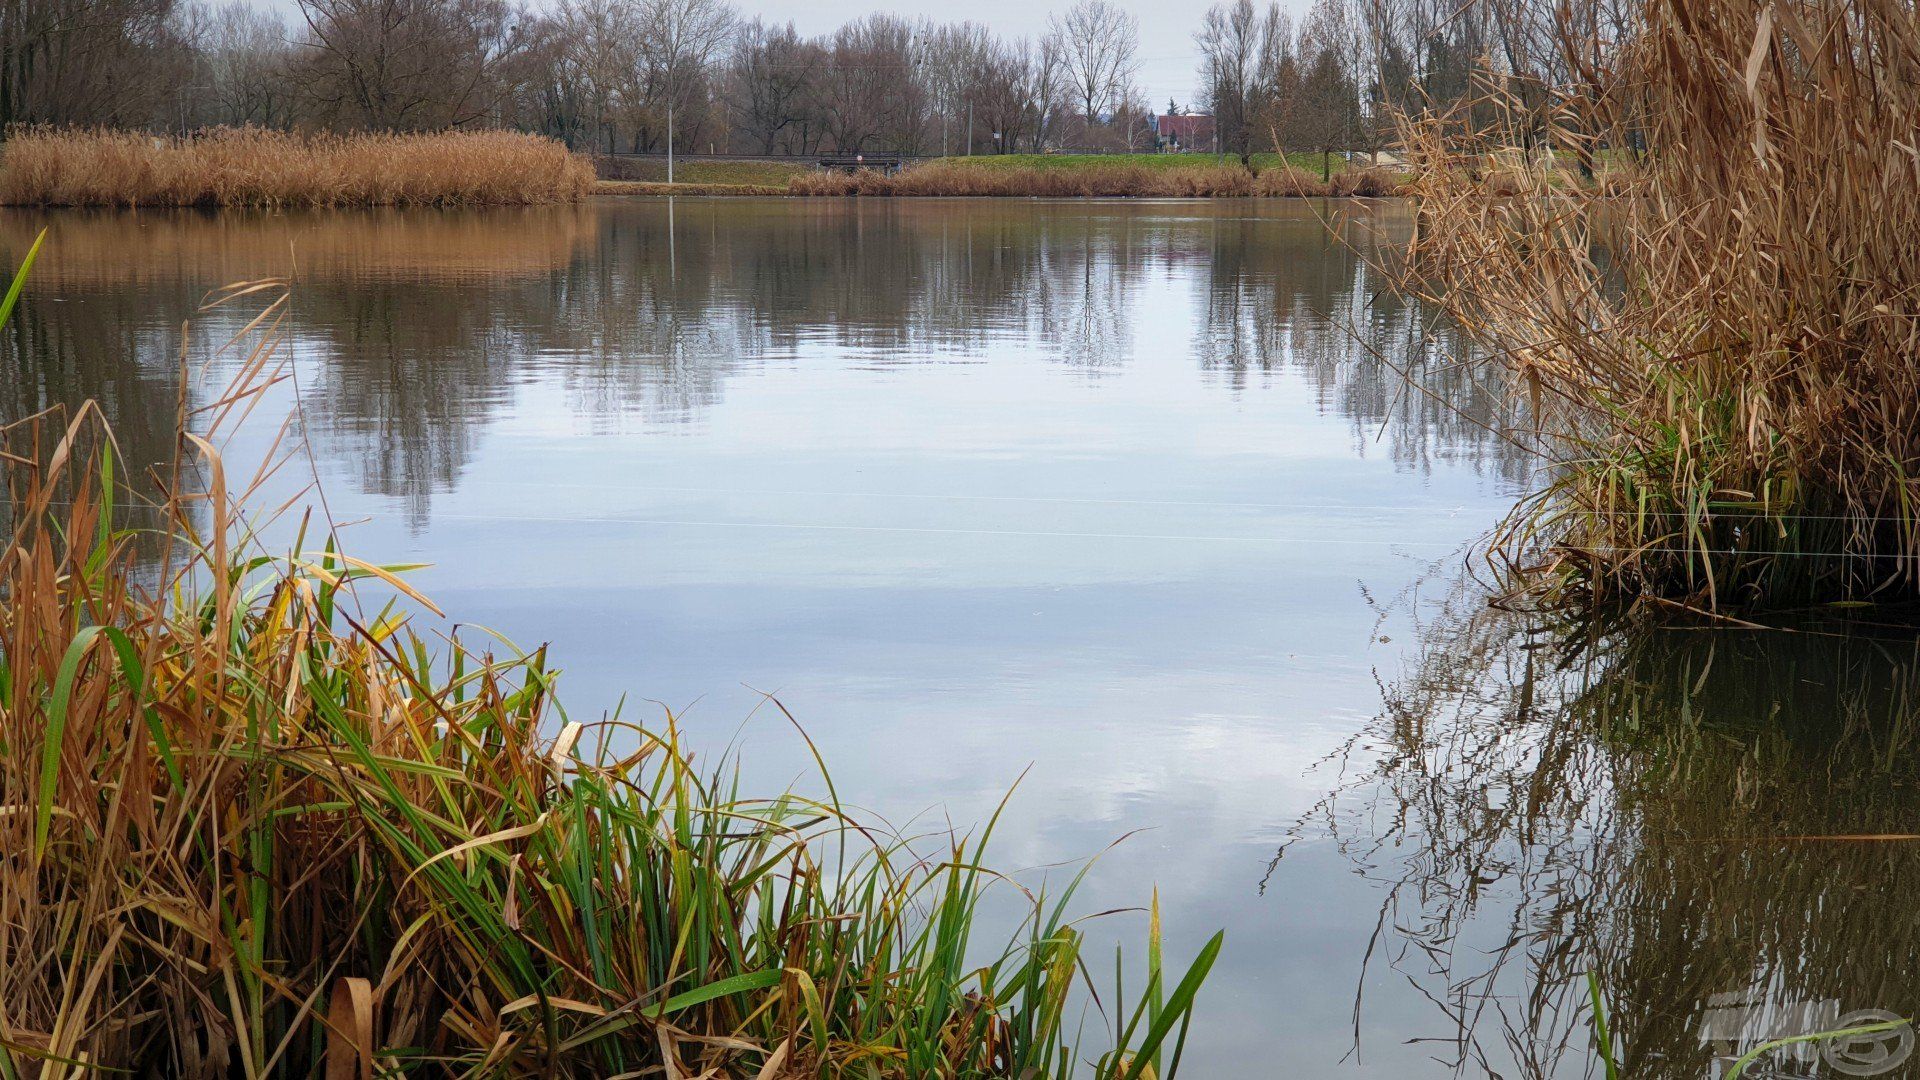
626 189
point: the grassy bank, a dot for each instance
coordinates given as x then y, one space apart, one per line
1013 175
1719 341
1095 178
769 173
258 822
253 167
1304 161
678 187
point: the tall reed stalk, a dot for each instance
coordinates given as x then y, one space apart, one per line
254 822
1719 332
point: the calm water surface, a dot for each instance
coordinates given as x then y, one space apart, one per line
1132 494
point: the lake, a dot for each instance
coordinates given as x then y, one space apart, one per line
1170 507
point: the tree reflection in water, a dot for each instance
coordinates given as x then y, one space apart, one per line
1704 818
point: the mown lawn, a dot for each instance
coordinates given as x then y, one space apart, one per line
1306 161
729 173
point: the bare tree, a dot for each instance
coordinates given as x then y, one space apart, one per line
409 64
1098 41
955 54
680 40
873 95
1049 88
88 61
244 68
1325 114
1229 70
772 77
598 60
1001 87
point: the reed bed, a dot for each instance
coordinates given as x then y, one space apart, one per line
947 178
1720 339
255 821
241 167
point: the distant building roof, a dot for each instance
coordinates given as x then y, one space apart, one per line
1185 127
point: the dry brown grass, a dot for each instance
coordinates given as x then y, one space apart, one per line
1721 341
942 178
253 167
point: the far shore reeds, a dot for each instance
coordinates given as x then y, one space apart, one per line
1095 180
271 169
253 167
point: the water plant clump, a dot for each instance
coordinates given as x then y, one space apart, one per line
255 821
1716 326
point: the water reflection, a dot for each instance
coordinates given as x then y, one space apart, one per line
1374 358
1715 822
1106 488
1100 488
418 329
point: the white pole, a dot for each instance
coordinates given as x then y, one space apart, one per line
669 136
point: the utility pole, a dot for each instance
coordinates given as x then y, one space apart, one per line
670 131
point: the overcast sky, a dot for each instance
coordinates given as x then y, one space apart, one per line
1168 60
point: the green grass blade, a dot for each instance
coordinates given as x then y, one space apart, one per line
1178 1003
20 278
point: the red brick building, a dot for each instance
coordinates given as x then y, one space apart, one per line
1184 131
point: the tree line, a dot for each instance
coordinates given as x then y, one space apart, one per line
619 75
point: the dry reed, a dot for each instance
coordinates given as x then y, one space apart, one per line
229 167
1720 340
946 178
